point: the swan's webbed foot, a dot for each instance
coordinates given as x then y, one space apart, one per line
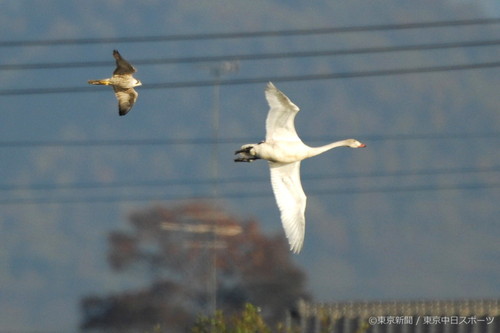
246 154
243 150
245 159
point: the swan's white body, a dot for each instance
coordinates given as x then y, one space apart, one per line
284 150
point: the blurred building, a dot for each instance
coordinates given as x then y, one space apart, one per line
460 316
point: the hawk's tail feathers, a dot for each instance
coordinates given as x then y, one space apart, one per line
100 82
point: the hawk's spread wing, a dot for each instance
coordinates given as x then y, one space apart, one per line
126 99
122 65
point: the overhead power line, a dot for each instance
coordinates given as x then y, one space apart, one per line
245 194
259 56
235 140
237 180
290 78
250 34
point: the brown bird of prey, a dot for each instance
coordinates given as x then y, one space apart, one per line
123 84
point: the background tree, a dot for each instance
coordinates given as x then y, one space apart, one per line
182 248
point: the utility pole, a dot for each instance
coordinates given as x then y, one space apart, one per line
217 71
210 228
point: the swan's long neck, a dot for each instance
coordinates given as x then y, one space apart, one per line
313 151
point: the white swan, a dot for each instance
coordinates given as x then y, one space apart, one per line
284 150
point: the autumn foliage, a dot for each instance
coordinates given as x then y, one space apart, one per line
181 249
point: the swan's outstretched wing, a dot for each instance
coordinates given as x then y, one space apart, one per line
291 200
126 99
280 119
